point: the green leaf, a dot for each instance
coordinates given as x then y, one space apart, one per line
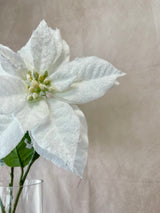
21 155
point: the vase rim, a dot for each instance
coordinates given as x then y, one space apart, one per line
28 183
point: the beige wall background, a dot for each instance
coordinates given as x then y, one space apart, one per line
123 170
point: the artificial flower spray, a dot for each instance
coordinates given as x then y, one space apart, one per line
40 90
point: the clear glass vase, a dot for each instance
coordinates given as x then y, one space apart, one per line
22 199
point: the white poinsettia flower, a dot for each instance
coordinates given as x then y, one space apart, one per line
40 89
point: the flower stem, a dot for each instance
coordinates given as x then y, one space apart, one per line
2 206
22 180
11 189
22 172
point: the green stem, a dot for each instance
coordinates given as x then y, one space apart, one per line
11 189
2 206
22 172
22 180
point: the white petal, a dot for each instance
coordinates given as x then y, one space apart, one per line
63 56
45 50
82 146
11 62
10 135
94 77
12 94
62 79
32 115
2 72
57 138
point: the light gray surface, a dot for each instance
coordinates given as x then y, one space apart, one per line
123 170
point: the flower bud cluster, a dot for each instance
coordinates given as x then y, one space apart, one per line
38 85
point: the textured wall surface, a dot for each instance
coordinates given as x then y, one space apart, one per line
123 170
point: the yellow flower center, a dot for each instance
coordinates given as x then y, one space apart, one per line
38 85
